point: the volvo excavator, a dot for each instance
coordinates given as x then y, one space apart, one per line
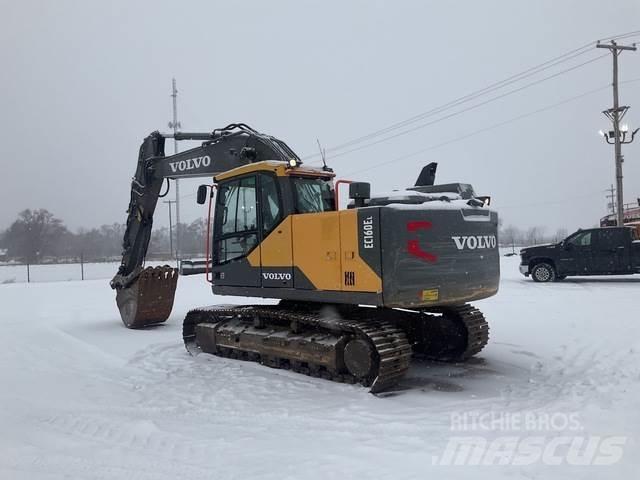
361 289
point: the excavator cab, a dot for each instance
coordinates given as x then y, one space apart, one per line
252 244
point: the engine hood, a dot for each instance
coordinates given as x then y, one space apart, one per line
528 251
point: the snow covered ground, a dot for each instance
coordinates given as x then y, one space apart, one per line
61 272
83 397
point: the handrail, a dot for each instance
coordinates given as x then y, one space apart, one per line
336 191
207 271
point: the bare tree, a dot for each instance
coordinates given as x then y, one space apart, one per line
560 234
534 235
509 236
36 234
159 244
194 236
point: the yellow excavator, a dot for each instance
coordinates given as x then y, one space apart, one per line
361 289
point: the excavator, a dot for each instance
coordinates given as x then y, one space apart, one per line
360 290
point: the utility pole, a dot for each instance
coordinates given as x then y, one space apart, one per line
175 125
615 114
170 226
612 199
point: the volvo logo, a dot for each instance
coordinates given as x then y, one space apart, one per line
276 276
190 164
474 242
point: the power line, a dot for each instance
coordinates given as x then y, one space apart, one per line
482 130
550 202
461 100
495 86
472 107
635 33
612 197
491 127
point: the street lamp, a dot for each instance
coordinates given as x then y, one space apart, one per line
610 136
618 137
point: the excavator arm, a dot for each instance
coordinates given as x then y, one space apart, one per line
145 296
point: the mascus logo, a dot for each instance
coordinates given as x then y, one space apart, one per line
474 242
190 164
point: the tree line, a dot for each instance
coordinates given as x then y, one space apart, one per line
38 236
517 237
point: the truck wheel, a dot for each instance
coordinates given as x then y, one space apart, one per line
543 272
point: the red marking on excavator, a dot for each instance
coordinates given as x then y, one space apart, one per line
413 246
418 225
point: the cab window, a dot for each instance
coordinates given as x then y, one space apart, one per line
312 195
235 225
269 203
582 239
611 237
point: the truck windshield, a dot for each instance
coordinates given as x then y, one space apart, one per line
581 239
312 195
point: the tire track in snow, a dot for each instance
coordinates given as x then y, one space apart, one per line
576 376
134 436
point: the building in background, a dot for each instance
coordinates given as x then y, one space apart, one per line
631 216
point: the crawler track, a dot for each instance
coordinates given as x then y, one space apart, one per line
474 328
384 357
369 346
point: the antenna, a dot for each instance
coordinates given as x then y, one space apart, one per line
323 154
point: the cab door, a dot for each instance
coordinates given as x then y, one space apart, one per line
610 254
276 253
576 255
236 233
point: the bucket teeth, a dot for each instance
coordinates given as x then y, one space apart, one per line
149 299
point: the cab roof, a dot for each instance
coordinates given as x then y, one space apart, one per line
280 168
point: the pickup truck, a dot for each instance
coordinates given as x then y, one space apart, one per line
596 251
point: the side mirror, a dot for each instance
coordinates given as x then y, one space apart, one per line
201 197
567 246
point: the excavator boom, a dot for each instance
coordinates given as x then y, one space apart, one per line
145 296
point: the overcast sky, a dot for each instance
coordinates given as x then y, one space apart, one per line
82 82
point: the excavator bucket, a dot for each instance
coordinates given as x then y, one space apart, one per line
149 299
